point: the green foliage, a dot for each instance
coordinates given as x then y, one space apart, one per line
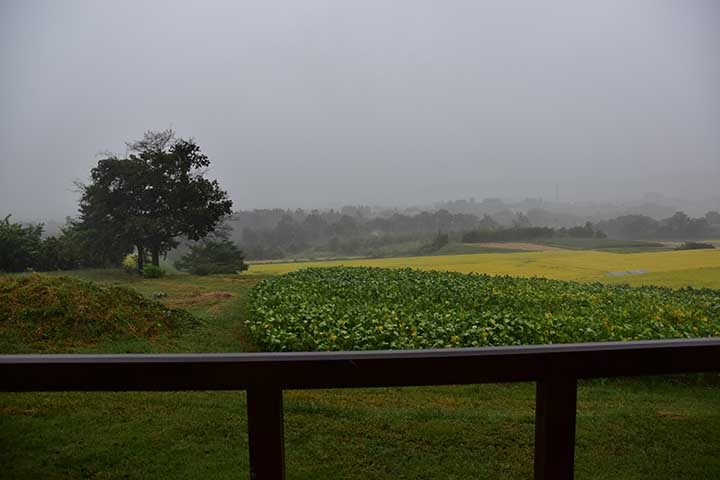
679 225
213 257
20 245
61 311
152 271
528 233
23 248
155 195
96 244
72 249
346 308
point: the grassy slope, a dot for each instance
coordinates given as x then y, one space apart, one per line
626 428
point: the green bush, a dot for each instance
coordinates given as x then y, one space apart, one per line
152 271
213 257
20 246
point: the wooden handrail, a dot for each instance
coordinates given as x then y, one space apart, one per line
555 368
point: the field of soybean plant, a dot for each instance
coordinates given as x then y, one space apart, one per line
362 308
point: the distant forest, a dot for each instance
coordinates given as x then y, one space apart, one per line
274 234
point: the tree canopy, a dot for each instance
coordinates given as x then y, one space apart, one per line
153 196
19 245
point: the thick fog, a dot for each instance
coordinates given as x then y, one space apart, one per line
325 103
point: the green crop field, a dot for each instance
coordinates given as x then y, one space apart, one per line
626 428
360 308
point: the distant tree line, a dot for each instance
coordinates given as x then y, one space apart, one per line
157 198
527 234
274 234
268 234
677 226
695 246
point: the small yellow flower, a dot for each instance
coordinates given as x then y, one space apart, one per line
455 339
333 338
380 328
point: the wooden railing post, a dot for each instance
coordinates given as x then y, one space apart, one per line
265 375
265 433
555 405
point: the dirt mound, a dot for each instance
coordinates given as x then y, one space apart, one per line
67 311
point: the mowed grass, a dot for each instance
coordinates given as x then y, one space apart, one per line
698 268
627 429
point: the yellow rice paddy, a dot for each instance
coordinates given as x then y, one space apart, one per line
697 268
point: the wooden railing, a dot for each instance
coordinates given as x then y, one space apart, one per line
555 368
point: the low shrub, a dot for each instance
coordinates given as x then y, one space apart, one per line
213 257
152 271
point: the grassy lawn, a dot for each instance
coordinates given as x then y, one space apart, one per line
631 428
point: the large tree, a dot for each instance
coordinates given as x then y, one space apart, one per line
153 196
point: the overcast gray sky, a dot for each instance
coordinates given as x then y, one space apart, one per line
324 103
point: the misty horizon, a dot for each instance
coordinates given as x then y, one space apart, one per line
321 105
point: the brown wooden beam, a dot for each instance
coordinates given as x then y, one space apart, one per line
265 433
555 410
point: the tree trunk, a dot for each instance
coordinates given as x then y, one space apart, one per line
140 258
155 256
